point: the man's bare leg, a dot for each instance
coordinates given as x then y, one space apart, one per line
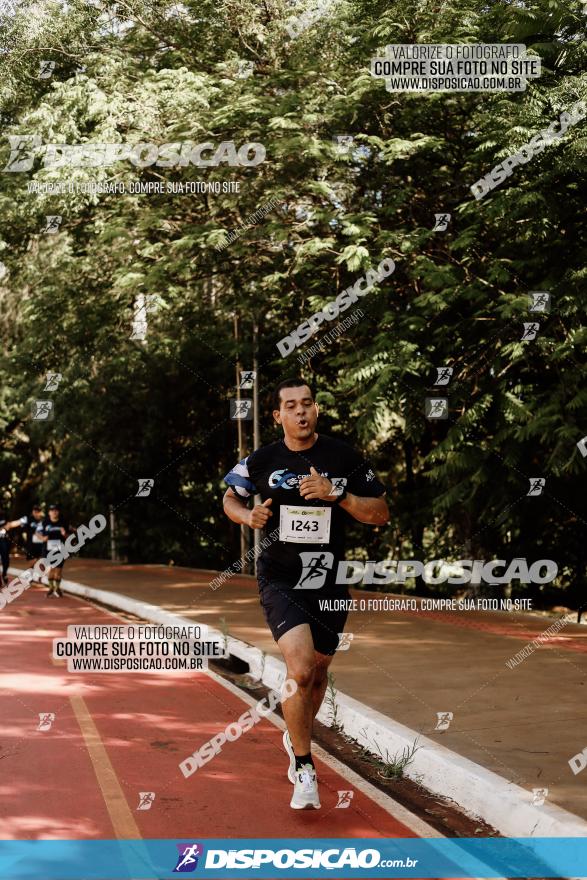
297 648
309 669
321 664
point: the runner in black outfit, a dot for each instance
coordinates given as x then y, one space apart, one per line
4 549
54 533
309 484
33 524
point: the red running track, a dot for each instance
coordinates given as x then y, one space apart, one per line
118 734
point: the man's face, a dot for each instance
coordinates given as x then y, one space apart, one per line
38 514
54 515
298 414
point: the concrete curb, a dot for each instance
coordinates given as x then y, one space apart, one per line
503 805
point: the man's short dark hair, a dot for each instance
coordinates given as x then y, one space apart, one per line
298 382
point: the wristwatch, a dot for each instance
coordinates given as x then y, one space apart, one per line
340 497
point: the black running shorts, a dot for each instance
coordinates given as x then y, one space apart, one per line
61 564
285 608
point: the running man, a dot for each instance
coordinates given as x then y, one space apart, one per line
33 525
4 549
54 532
309 484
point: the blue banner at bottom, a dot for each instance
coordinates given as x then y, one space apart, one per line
293 858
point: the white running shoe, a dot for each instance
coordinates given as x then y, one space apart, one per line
291 770
305 794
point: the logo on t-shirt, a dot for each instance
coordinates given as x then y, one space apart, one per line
283 479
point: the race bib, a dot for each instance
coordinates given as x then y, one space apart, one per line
304 525
52 543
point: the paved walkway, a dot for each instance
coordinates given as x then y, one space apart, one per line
523 723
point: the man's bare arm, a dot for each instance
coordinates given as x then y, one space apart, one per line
372 511
236 510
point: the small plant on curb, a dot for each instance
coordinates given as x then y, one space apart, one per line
224 631
330 700
388 766
393 768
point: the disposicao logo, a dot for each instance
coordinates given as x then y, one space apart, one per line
187 860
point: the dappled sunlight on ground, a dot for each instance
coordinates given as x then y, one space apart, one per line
31 634
34 683
44 827
409 666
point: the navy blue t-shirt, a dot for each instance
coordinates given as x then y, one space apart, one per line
274 471
53 533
